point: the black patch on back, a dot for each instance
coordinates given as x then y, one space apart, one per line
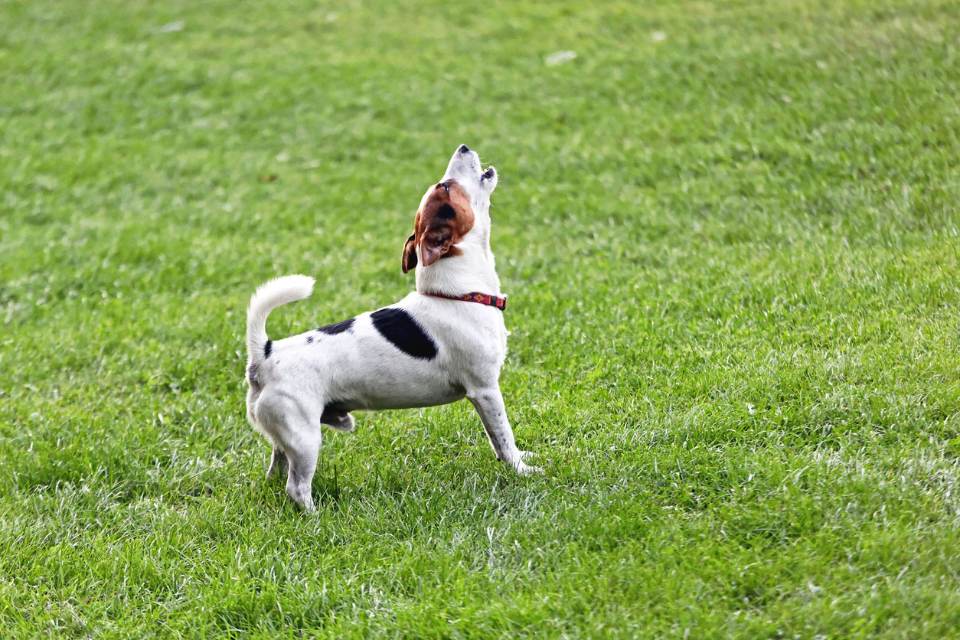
309 339
400 329
267 348
337 327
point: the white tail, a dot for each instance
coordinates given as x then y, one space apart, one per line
269 296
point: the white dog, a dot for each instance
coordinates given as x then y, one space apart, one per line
445 341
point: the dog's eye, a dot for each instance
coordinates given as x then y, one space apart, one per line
446 212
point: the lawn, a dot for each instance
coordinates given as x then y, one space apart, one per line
731 240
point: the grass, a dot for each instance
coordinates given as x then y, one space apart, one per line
730 236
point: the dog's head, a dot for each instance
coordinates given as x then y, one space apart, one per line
452 212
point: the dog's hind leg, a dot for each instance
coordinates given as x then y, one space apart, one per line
278 463
294 429
302 458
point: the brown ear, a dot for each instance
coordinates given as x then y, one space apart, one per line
444 218
409 254
436 244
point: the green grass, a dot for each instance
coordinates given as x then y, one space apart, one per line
731 239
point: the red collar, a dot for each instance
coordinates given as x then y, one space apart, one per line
500 302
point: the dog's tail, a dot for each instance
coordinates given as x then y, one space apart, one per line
269 296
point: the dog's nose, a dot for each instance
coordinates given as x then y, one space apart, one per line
445 185
463 149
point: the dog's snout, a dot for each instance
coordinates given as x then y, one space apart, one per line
463 148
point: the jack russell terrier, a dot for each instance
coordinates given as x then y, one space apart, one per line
442 342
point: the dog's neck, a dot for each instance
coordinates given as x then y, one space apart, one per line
471 271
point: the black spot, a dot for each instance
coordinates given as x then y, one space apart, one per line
338 327
267 348
398 327
446 212
309 339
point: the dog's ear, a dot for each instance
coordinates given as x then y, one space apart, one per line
436 243
409 254
445 216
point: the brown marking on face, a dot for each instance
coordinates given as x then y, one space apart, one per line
441 223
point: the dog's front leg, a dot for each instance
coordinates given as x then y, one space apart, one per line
489 404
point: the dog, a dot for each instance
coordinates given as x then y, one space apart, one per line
443 342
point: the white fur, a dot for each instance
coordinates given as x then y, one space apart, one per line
290 390
268 296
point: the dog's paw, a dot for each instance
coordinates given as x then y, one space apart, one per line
301 496
341 421
524 469
528 470
345 424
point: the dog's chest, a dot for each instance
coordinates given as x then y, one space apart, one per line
448 347
470 334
